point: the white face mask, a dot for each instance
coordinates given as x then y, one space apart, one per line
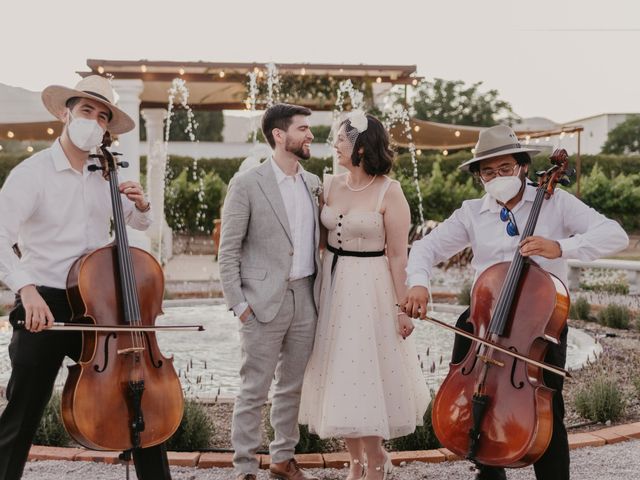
504 189
84 132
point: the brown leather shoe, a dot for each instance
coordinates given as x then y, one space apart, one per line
246 476
289 470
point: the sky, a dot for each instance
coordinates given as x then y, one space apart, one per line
560 59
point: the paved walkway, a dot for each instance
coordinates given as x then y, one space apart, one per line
620 461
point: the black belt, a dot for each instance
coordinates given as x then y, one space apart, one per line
338 252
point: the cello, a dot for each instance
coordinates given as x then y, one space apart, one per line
493 407
123 394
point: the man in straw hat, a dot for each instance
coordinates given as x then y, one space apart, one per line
56 210
567 228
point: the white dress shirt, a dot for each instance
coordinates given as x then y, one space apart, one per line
299 206
301 216
55 214
582 233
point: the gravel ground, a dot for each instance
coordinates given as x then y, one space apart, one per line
611 462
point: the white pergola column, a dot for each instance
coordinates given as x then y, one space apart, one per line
129 144
159 233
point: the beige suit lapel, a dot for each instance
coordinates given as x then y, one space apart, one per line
269 186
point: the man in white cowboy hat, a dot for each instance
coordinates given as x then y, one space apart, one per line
567 228
55 210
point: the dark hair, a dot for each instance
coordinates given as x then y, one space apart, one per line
73 101
377 156
521 158
280 116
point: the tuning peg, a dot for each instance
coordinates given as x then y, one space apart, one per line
123 164
570 172
94 168
565 181
115 153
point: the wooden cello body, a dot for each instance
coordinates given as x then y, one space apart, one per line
123 393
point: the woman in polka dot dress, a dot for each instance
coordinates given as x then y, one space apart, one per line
363 381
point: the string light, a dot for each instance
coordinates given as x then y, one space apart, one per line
181 71
416 128
445 152
547 139
379 80
303 71
221 74
10 134
50 131
414 82
100 69
562 134
457 133
572 135
418 152
143 68
116 143
1 147
473 151
29 149
260 74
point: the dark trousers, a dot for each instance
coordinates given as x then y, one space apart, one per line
35 361
554 463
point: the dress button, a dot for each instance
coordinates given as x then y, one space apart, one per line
339 241
291 253
338 233
339 224
340 216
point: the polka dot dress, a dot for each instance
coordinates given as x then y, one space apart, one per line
362 379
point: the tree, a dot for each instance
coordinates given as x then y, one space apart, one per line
447 101
625 138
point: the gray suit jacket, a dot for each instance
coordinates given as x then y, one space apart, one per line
256 247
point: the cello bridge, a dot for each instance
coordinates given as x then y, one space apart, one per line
126 351
490 360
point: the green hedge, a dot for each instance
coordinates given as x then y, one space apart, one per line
609 183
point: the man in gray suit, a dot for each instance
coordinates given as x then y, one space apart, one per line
269 264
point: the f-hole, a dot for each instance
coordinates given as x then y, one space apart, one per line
513 371
97 368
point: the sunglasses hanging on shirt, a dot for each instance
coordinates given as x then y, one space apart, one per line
506 215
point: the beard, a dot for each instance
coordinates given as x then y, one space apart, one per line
297 149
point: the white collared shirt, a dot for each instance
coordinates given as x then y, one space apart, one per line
582 233
300 213
56 214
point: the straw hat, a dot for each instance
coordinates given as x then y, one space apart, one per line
496 141
95 88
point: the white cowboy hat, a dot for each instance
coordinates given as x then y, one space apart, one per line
496 141
94 87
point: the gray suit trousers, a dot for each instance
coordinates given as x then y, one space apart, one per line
282 346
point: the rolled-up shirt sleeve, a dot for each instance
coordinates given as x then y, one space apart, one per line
445 240
17 203
591 235
134 217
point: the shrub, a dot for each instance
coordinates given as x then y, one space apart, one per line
195 430
464 297
191 205
636 383
580 309
51 430
422 439
615 316
613 288
600 400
